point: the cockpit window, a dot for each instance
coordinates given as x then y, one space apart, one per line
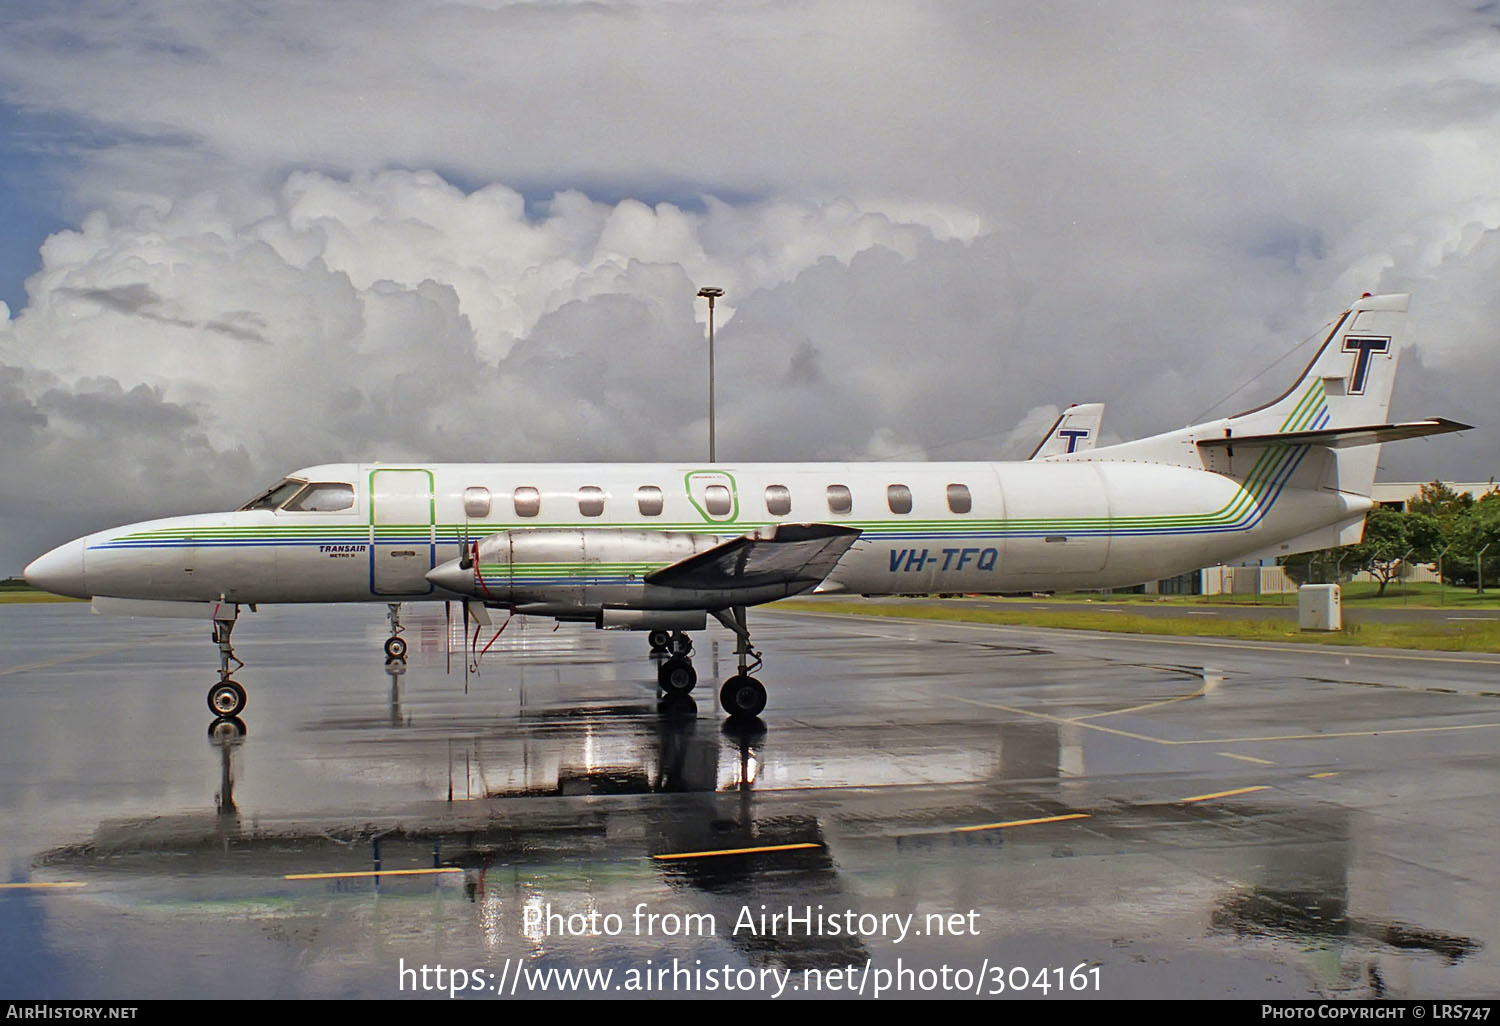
275 496
323 497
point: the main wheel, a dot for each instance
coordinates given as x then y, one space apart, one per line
395 648
742 697
681 644
659 640
677 676
226 699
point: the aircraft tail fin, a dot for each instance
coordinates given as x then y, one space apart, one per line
1347 384
1077 430
1338 405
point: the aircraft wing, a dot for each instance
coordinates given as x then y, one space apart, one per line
1077 430
794 556
1343 438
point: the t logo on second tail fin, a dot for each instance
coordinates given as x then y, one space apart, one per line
1073 435
1364 347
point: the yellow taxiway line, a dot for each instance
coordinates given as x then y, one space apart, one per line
372 872
1021 822
1246 758
1225 794
735 851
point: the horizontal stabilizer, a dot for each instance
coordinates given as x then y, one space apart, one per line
1342 438
796 556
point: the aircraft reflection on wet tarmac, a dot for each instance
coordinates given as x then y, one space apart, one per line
1067 843
781 858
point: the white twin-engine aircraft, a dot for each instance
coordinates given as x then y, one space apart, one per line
658 547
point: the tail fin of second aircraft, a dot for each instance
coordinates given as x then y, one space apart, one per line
1077 430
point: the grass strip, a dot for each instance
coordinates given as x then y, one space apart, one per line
1481 636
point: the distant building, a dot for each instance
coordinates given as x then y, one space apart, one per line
1396 494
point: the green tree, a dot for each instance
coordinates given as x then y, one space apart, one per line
1440 501
1478 531
1392 541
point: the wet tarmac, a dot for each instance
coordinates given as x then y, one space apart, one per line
941 809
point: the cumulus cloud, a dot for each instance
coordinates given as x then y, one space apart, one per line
396 316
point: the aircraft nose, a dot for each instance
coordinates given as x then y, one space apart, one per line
59 571
451 577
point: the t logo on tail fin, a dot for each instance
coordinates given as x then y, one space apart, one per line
1364 347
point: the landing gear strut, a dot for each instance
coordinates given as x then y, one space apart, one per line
742 696
395 645
227 698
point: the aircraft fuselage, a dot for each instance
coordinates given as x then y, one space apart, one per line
925 527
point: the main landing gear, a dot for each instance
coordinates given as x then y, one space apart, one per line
674 643
395 645
227 698
675 675
742 696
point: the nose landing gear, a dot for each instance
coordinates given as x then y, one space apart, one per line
395 645
226 699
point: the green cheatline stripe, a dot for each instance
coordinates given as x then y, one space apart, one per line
1248 495
190 532
1255 482
1311 400
528 567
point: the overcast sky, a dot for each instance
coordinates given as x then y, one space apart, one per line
239 238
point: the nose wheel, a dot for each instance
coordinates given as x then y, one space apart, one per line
226 699
395 645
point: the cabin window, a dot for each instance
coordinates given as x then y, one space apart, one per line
323 498
476 503
717 501
778 500
898 497
648 500
276 495
528 501
959 499
839 499
591 501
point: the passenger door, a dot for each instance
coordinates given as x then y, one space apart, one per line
402 517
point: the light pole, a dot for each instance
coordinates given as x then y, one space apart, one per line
710 293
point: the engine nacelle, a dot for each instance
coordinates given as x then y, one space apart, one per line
584 568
